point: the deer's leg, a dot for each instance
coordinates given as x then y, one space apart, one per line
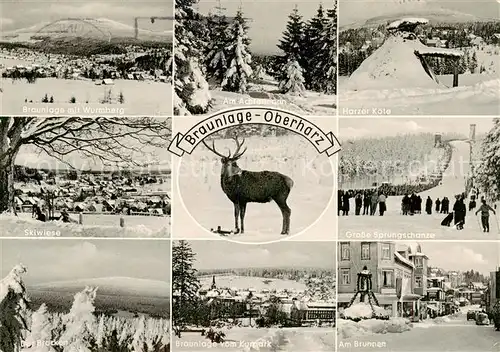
285 212
243 209
236 215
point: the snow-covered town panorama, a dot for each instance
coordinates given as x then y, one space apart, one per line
276 297
86 58
94 296
85 177
278 54
419 57
423 179
409 296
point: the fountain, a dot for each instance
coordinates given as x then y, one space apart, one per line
361 310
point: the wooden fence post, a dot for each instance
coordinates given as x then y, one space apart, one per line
80 218
122 222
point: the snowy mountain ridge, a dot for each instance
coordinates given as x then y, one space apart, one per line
84 27
376 12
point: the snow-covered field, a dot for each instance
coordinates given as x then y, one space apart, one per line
263 340
203 198
258 283
93 226
312 103
140 97
482 98
393 225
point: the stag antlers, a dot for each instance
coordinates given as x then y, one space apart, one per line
236 155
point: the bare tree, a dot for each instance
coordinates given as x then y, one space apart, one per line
112 141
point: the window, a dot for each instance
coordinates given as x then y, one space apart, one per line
418 281
345 276
386 251
388 278
345 251
418 262
365 251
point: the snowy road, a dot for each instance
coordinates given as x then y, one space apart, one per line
457 335
393 225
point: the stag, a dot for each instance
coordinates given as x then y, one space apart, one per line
242 186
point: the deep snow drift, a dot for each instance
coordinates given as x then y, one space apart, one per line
263 340
393 225
25 226
347 328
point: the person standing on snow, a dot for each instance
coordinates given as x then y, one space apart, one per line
366 203
485 215
460 210
428 205
358 201
381 204
373 205
438 203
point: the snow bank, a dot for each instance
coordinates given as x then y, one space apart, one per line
393 65
364 311
13 226
347 328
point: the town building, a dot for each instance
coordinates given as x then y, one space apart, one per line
389 263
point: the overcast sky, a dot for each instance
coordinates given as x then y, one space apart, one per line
361 10
462 256
25 13
62 260
224 254
351 128
267 17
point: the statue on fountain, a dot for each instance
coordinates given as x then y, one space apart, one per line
364 288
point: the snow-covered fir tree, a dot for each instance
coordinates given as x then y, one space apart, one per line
139 340
80 323
190 85
238 56
487 174
41 330
328 55
216 61
314 54
101 332
185 285
14 310
294 80
292 44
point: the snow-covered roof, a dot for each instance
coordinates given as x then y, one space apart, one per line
406 21
403 259
425 50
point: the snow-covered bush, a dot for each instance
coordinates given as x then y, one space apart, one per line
294 80
360 311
